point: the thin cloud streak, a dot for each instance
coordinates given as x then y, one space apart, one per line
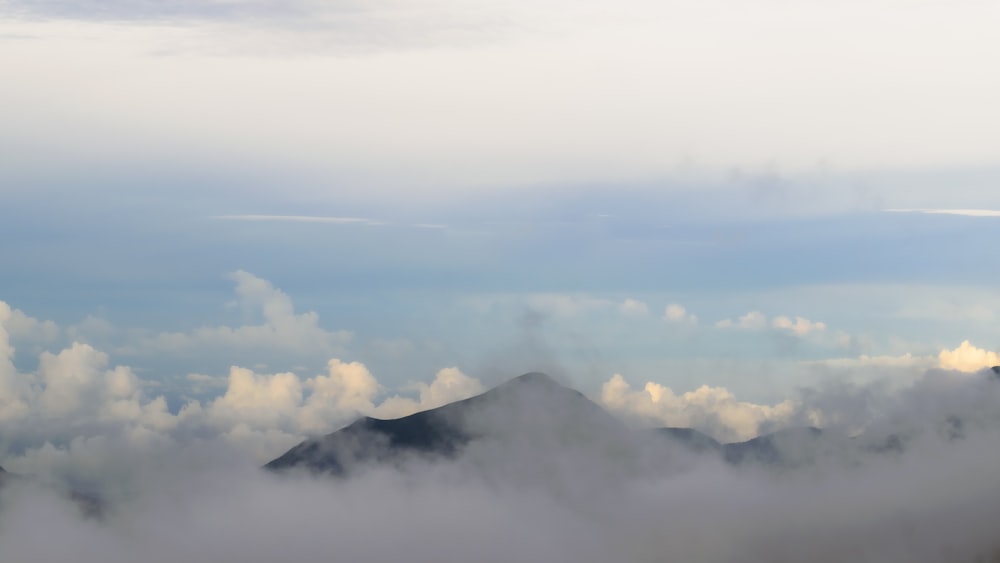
301 219
963 212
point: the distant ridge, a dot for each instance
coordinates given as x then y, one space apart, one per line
536 408
532 406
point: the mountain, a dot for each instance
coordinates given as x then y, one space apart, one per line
784 447
532 407
534 411
89 505
690 438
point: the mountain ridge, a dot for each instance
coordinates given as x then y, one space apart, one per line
529 405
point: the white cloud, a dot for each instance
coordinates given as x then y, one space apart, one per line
524 42
280 328
301 219
967 358
711 409
23 327
449 384
258 400
963 212
754 320
800 326
864 360
13 388
678 314
286 408
634 308
76 395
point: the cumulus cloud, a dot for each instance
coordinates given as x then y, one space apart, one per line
284 408
798 326
932 502
678 314
76 396
967 358
24 327
754 320
280 327
713 410
76 399
193 474
449 384
634 307
13 389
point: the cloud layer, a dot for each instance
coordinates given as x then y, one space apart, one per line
79 420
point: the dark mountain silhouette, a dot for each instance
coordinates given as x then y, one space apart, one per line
532 406
773 448
789 447
690 438
537 410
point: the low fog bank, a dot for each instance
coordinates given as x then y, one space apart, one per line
938 502
539 496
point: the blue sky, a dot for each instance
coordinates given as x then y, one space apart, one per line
502 187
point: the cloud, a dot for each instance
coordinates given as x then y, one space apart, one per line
336 24
678 314
161 10
258 400
23 327
904 361
76 398
300 219
289 408
634 308
281 328
800 326
193 474
13 388
754 320
713 410
449 384
963 212
967 358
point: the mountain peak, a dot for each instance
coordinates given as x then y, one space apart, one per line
533 378
532 404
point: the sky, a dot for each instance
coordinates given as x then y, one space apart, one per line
230 225
675 201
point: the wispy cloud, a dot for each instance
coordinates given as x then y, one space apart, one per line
301 219
965 212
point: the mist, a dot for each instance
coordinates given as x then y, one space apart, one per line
532 496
